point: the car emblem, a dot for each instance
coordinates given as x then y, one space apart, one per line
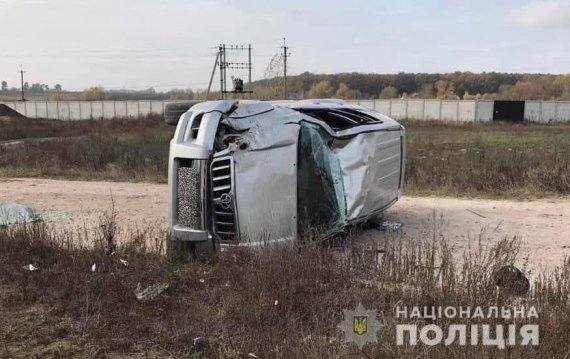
225 201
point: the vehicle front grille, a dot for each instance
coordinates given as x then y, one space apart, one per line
223 199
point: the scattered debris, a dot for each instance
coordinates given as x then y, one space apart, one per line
151 292
252 355
202 280
12 213
276 302
94 267
31 268
53 216
392 226
124 262
512 281
475 213
199 344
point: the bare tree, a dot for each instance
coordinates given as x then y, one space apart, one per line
389 92
321 89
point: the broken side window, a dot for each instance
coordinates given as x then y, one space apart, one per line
321 203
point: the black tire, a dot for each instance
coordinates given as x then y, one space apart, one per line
173 111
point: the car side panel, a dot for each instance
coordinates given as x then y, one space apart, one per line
371 165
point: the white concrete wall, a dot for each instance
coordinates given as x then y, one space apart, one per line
466 111
563 111
547 111
432 110
144 108
383 106
416 109
42 109
97 109
399 109
447 110
484 110
371 104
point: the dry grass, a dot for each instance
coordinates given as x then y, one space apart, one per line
277 303
489 160
480 160
119 149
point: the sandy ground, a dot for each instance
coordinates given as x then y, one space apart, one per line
543 225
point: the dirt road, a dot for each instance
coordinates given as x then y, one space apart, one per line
544 225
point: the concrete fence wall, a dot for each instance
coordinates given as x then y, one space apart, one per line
83 110
465 110
547 111
460 110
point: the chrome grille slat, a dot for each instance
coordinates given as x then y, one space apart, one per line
221 168
220 178
223 213
222 188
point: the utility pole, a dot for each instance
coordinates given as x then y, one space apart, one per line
222 69
22 81
285 48
249 68
212 75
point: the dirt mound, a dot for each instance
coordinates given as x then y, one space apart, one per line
8 115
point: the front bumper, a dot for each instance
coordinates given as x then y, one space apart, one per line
186 234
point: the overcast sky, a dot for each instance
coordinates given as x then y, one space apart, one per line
170 43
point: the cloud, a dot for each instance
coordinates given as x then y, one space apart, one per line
22 2
541 14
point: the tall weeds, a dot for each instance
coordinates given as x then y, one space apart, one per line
496 159
282 302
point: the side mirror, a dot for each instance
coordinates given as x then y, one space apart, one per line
173 111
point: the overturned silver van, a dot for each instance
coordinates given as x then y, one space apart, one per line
250 172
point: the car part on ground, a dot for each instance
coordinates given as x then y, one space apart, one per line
511 281
12 213
248 173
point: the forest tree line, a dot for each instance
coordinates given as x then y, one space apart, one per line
446 86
